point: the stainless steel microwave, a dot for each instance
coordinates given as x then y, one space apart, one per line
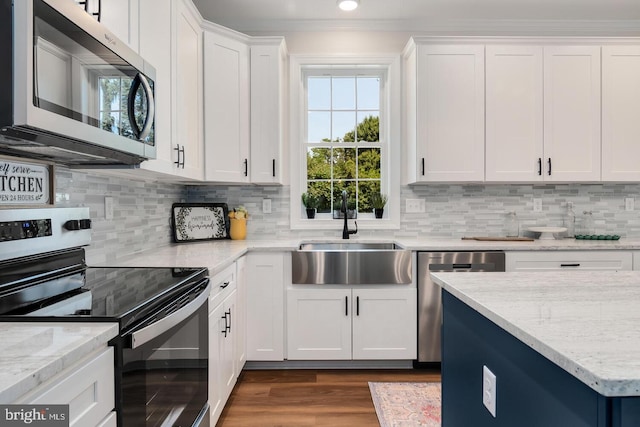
79 96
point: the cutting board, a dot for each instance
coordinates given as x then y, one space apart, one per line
500 239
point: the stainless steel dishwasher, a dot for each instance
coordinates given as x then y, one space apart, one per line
430 296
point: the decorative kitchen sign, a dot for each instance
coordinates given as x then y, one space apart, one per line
199 221
24 183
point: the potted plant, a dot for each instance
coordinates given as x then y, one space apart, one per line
310 203
379 200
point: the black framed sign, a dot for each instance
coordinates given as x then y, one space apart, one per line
25 183
199 221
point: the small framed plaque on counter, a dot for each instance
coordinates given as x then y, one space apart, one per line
199 221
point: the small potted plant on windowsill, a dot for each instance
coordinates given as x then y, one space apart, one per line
379 200
310 203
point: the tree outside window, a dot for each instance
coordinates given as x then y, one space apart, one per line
343 139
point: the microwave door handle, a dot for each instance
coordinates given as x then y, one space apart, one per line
156 329
151 109
131 106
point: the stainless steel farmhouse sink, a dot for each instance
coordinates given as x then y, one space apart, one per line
351 263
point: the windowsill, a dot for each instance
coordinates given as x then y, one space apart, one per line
337 224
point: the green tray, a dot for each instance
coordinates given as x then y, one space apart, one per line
597 237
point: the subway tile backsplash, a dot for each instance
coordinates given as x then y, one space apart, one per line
142 209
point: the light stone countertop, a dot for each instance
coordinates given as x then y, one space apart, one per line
34 352
218 254
586 322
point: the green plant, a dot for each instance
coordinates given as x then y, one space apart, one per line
379 200
309 201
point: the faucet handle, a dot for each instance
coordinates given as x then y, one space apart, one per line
356 230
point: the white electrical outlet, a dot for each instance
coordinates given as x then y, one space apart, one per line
537 205
108 207
266 206
415 206
489 390
628 203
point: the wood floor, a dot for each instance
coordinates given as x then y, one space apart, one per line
298 398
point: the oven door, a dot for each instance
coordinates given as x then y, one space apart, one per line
164 370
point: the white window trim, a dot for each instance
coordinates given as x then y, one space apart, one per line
392 134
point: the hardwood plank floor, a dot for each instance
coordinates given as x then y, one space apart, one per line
299 398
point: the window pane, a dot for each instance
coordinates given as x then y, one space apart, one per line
344 163
319 126
321 190
366 190
344 122
368 163
368 93
319 163
344 93
368 126
338 186
319 93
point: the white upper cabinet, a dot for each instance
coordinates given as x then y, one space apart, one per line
226 107
268 109
445 126
187 90
543 113
572 113
620 113
514 117
121 18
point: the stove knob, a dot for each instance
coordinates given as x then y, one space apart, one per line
72 225
85 224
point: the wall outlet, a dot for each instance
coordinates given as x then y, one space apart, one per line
415 206
537 205
266 206
489 390
108 207
628 203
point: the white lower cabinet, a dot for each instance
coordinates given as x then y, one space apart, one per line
88 387
224 367
266 274
345 324
568 260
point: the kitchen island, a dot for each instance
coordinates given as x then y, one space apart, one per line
564 347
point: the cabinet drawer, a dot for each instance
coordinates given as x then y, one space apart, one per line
88 389
221 285
568 260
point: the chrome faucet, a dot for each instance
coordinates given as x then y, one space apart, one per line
345 229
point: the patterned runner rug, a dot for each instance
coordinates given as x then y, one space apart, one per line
407 404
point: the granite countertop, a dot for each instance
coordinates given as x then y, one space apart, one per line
218 254
586 322
34 352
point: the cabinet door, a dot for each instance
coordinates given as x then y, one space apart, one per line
216 340
514 113
267 112
384 324
240 318
187 93
228 374
572 113
620 113
450 113
319 324
226 109
265 306
121 18
569 260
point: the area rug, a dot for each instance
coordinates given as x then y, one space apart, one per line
407 404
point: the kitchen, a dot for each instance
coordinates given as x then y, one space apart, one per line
141 202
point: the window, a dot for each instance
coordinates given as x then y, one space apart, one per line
343 139
345 135
114 96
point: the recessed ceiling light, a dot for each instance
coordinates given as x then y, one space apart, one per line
348 4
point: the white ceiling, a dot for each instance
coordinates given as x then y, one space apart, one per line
410 15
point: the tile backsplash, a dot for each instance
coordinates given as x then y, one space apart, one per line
142 209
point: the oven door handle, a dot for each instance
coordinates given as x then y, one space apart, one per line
150 332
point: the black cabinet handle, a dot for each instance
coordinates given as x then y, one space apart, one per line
423 166
539 166
346 306
274 168
180 150
357 306
226 328
224 285
246 167
98 14
549 162
228 313
569 265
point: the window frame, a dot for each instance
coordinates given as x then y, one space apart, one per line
388 66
